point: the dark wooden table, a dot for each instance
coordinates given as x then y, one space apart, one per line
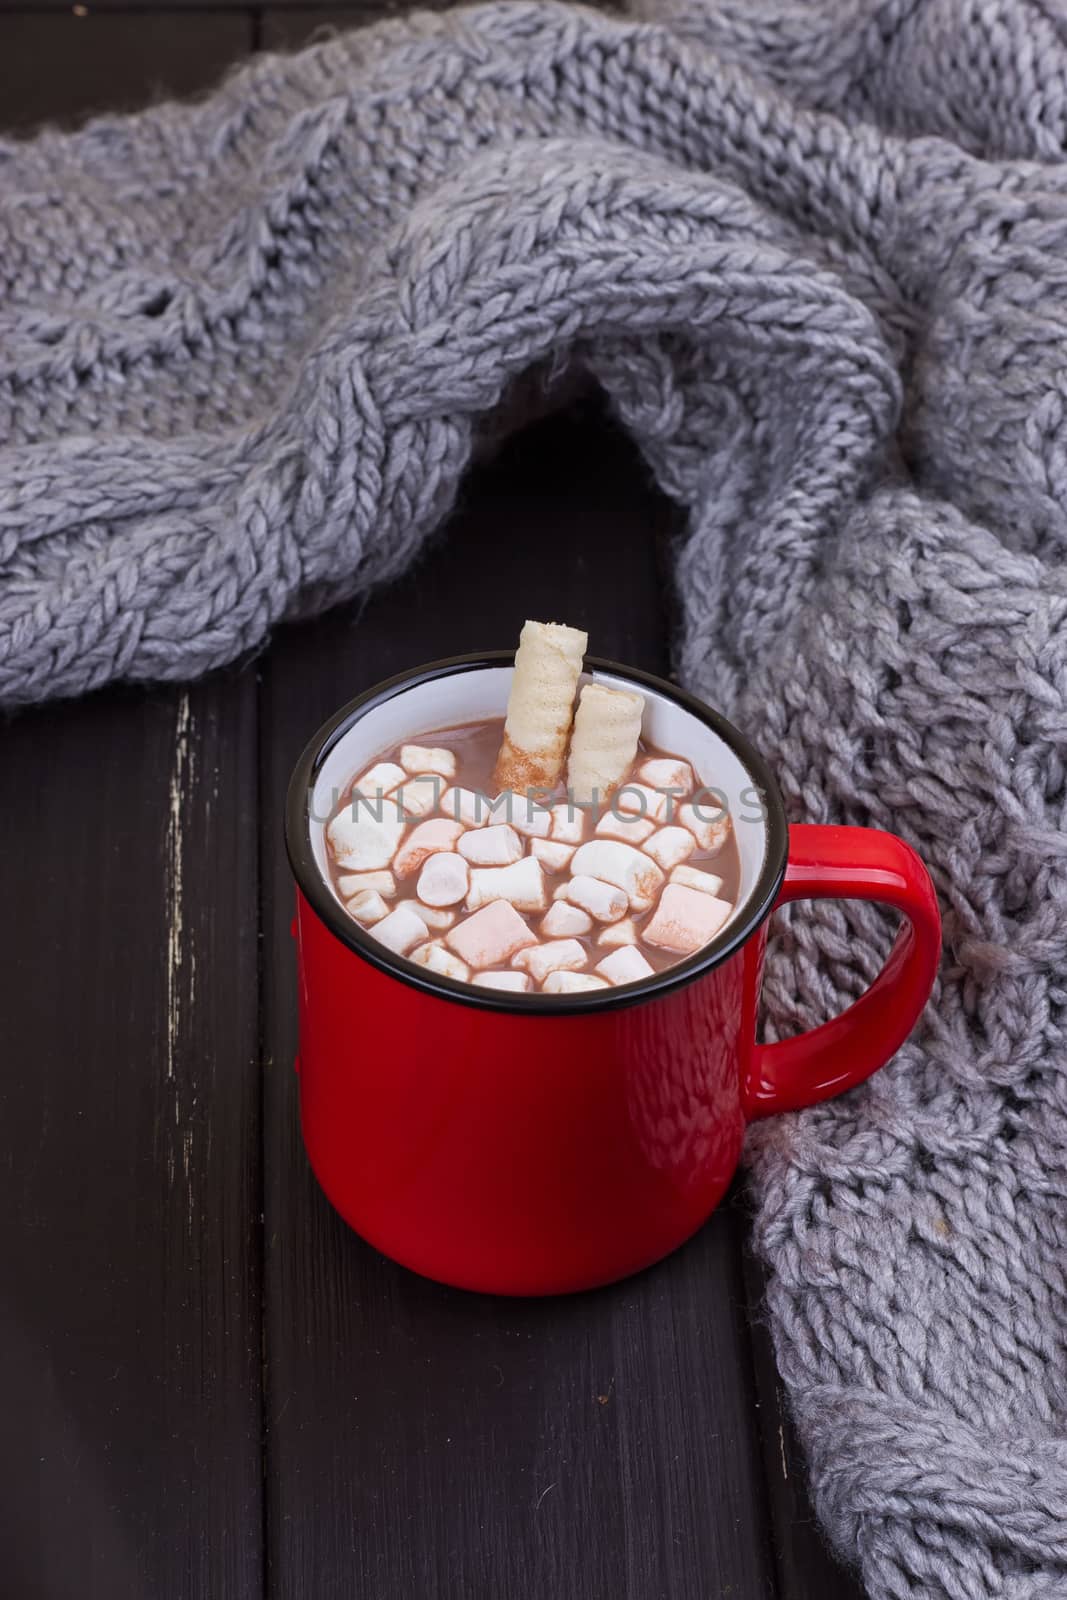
210 1389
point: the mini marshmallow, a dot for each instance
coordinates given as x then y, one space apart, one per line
625 965
670 846
552 856
434 918
517 981
425 840
568 823
618 933
438 959
709 835
571 982
631 830
490 936
401 930
602 900
666 772
541 959
367 907
428 758
381 779
419 796
706 882
364 836
465 805
638 799
685 919
351 883
495 846
524 814
622 865
498 809
522 885
564 921
444 880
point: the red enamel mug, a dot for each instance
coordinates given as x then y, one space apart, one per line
524 1144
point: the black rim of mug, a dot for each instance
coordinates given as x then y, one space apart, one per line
319 895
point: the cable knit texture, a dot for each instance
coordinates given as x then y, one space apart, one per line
816 255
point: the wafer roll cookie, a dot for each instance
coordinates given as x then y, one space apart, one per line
607 726
547 664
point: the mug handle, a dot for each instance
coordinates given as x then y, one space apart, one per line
830 863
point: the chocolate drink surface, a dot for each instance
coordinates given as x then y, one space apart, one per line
529 892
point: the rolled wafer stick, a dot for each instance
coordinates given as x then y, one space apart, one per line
540 705
607 726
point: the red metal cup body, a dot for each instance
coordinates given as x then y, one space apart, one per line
527 1144
518 1153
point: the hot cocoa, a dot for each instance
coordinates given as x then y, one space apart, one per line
598 861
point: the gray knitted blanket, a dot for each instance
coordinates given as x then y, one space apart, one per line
815 252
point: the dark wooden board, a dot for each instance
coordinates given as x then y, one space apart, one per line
129 1163
364 10
62 67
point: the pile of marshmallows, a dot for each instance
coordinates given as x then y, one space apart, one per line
481 870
